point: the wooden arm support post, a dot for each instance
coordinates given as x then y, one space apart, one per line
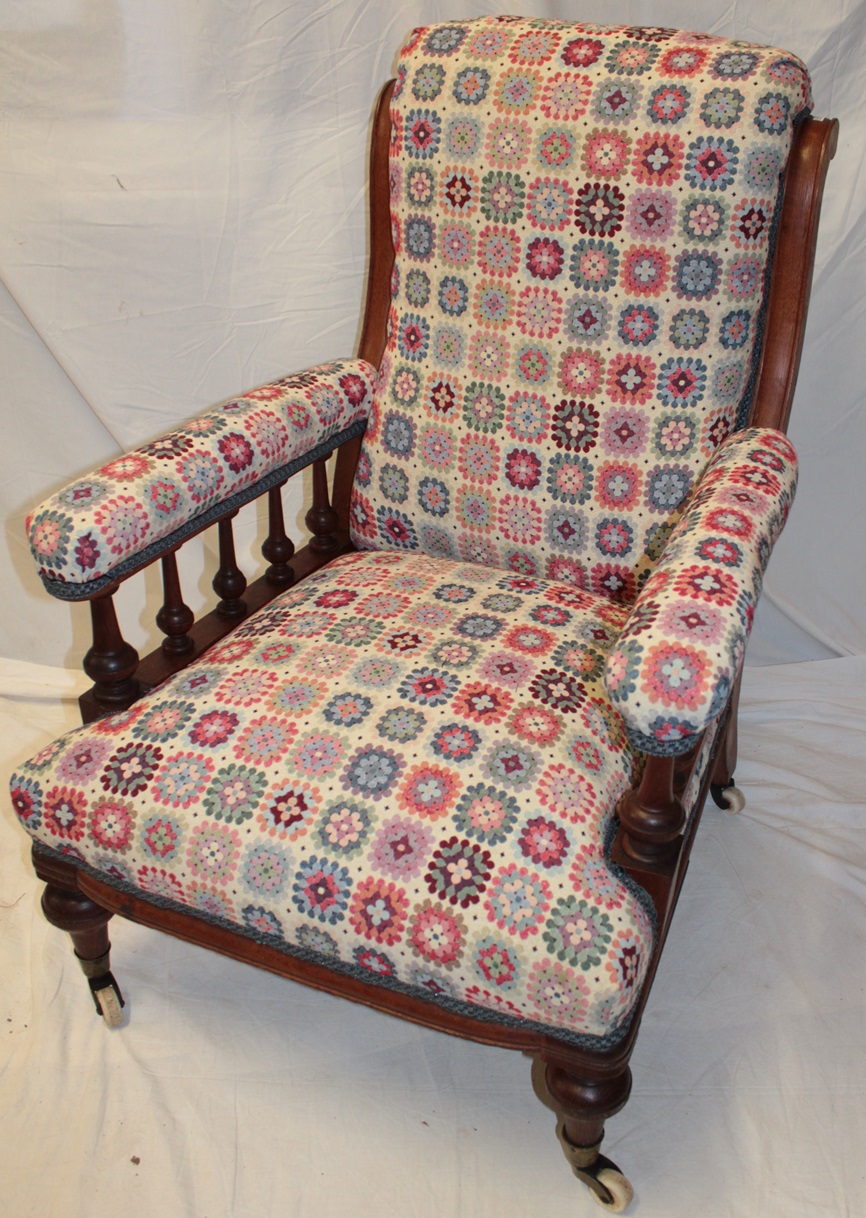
651 816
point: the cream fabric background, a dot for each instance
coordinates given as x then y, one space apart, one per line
182 216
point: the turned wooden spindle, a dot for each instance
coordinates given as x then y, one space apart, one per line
277 547
683 766
321 519
229 583
111 662
652 817
175 619
583 1104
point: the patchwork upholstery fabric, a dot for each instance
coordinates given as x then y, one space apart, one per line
582 218
682 647
101 526
406 768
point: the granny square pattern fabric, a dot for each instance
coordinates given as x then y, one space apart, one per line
582 218
99 527
682 646
406 768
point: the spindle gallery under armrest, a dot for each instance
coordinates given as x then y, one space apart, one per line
120 678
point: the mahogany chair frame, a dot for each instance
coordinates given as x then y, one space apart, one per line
653 841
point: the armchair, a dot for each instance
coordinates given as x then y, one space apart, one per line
449 758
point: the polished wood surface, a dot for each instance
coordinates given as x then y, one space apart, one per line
374 330
814 147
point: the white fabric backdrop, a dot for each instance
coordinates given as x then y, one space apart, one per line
182 216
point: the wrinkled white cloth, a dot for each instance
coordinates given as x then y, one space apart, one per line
182 217
233 1094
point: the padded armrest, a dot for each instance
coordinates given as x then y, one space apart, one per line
682 645
102 527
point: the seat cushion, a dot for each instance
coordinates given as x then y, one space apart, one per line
406 768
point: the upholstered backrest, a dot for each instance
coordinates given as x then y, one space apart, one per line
582 218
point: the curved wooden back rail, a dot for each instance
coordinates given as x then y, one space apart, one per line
374 331
814 147
653 843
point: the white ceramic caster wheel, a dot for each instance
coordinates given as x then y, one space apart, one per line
734 799
108 1001
621 1192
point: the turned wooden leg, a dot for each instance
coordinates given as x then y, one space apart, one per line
87 925
582 1104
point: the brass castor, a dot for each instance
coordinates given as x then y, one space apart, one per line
609 1187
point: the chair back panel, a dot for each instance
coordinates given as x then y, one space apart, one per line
582 219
